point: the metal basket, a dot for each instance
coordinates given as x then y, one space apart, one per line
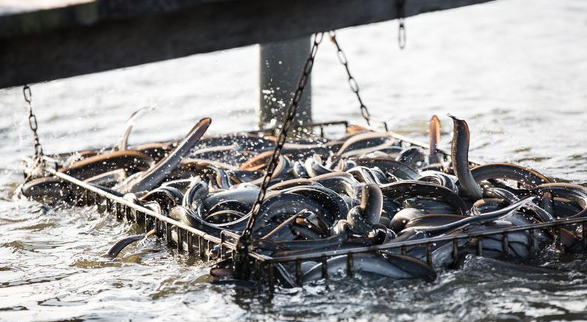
207 247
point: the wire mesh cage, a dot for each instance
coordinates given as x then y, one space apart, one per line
269 270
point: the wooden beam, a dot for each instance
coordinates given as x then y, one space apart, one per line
99 35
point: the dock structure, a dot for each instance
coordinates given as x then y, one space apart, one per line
47 40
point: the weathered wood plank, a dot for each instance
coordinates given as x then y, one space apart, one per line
94 36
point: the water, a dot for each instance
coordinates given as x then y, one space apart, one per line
515 70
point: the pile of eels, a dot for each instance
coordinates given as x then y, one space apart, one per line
363 189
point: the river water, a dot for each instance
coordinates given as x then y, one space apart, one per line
516 70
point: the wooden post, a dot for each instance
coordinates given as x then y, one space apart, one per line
280 67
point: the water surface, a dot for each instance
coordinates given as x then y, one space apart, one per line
516 70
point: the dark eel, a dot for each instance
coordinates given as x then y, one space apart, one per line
460 160
434 132
388 165
388 265
123 243
151 178
407 188
130 161
525 176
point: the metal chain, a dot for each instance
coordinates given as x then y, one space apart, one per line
352 81
38 161
28 97
241 259
290 114
401 13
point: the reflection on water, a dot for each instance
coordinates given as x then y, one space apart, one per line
516 70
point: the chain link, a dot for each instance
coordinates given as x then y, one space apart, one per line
352 81
241 259
290 114
38 161
401 13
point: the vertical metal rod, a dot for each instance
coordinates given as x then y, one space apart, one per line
403 249
349 264
531 241
480 246
258 272
324 267
222 237
132 214
179 245
504 244
428 254
127 212
561 245
117 212
556 233
168 233
147 224
87 198
151 225
299 272
201 249
455 251
157 228
139 218
190 243
208 250
271 275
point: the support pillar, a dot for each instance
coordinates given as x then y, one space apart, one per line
280 66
